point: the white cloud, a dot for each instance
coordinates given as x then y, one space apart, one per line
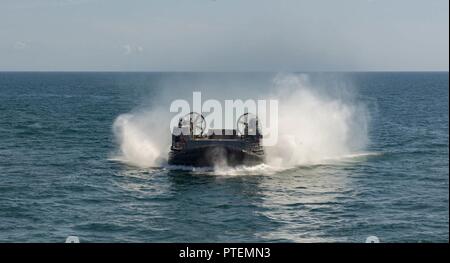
19 45
129 49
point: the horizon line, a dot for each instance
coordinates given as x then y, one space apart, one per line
224 71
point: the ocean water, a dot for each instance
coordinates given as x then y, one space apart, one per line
59 175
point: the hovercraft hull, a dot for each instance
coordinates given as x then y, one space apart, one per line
211 156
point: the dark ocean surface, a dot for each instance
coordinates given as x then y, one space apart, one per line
57 177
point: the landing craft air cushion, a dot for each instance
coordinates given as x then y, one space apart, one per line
191 147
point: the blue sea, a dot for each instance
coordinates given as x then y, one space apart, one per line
59 177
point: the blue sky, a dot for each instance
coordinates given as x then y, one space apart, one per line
224 35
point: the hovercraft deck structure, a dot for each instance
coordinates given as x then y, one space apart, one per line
191 147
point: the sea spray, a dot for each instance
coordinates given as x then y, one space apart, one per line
142 137
315 125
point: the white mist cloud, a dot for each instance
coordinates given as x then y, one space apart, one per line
141 138
129 49
19 45
315 127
